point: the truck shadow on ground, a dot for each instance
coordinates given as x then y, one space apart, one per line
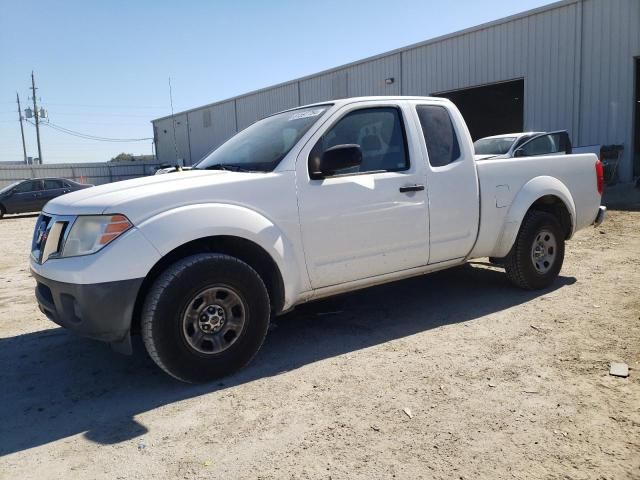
55 384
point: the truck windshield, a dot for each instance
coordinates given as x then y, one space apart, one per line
263 145
493 146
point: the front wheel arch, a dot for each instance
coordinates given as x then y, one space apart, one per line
184 299
245 250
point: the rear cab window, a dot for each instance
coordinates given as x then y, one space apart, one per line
440 135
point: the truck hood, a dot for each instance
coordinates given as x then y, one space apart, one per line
141 198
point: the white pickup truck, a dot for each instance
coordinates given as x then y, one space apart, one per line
304 204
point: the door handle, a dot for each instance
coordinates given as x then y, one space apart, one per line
412 188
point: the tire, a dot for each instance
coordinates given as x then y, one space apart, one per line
2 211
536 257
205 317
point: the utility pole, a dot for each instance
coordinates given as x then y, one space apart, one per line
37 115
24 147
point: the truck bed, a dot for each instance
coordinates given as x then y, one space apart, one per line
509 186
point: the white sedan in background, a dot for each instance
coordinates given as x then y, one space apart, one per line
501 146
525 144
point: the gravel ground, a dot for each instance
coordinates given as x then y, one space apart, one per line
452 375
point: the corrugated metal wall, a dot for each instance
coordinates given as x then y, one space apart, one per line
207 135
254 107
610 41
576 58
93 173
323 87
537 48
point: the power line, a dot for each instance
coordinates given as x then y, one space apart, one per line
98 114
76 121
84 105
95 137
91 114
88 136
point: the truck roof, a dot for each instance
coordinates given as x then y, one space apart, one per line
344 101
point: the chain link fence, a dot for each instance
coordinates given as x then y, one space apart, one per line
92 173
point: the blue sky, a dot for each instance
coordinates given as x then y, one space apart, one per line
102 66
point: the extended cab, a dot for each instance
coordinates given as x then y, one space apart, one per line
306 203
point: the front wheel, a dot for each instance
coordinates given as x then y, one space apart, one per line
536 257
205 317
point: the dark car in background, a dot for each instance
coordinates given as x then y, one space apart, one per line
31 195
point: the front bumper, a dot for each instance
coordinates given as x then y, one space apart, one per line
602 213
102 311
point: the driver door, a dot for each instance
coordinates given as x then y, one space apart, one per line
369 220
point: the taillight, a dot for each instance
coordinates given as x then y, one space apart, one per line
599 176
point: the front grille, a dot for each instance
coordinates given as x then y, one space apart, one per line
40 236
49 236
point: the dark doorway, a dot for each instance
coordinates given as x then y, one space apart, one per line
636 124
491 109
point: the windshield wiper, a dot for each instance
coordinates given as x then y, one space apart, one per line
227 166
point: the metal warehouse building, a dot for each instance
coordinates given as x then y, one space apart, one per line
571 65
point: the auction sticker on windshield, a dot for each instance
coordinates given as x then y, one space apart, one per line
308 113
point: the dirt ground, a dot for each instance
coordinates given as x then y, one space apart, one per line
495 382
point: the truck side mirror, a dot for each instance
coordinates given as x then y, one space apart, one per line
333 159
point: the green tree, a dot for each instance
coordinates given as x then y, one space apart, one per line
123 157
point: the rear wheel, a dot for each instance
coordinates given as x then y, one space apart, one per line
2 211
538 252
205 317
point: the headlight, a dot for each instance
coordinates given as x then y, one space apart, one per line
90 233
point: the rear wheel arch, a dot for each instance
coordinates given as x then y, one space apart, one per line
245 250
546 194
555 206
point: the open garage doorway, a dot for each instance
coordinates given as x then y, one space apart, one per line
491 109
